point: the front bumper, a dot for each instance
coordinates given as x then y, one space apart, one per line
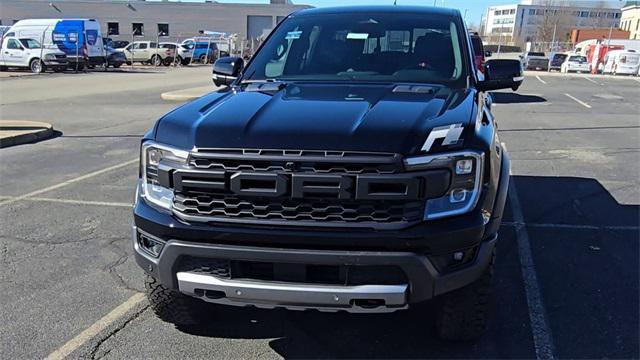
57 62
424 281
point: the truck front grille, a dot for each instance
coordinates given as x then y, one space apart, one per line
230 206
307 188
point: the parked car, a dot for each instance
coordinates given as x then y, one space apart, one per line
534 60
117 44
148 52
624 62
343 170
79 39
29 53
115 58
556 60
575 63
173 49
200 51
479 52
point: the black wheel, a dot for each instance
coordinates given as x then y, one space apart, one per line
167 61
172 306
115 66
203 58
463 313
37 66
156 60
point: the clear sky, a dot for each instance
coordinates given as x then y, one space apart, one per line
475 7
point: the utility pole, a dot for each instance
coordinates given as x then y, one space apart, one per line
553 40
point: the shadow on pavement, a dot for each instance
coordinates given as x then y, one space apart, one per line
515 98
585 247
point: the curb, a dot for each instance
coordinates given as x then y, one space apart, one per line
17 132
187 94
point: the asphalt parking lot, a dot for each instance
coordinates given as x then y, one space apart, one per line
566 281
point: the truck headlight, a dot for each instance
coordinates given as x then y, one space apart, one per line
50 57
466 181
152 157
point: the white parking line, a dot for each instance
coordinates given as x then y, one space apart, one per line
578 101
81 202
540 79
542 339
593 81
96 328
638 80
68 182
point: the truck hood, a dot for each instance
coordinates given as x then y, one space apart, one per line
383 118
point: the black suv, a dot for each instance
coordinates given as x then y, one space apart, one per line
352 165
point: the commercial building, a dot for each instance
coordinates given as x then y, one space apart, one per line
630 20
578 35
543 21
172 20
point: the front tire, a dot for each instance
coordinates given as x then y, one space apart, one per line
37 66
173 306
462 313
156 60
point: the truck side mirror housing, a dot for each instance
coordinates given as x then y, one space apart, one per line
502 74
226 70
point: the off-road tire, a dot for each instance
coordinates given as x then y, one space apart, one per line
462 313
172 306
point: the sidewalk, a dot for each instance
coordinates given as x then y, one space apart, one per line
188 94
16 132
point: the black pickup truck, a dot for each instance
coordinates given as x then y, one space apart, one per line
352 165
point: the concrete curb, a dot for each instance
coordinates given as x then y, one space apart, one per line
17 132
187 94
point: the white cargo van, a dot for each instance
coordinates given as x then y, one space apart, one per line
79 39
28 52
621 62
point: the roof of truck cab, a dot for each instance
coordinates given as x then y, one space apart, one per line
426 10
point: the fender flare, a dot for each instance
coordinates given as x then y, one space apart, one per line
501 197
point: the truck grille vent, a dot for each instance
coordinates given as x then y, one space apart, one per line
231 206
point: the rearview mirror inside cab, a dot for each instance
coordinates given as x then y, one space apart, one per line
502 74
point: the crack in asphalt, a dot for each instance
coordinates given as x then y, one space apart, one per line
111 268
93 354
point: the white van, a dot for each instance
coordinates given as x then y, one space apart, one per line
79 39
621 62
28 52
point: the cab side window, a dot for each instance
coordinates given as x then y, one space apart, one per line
143 46
13 44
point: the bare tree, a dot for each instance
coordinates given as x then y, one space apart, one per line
555 20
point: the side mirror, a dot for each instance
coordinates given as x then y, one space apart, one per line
487 54
502 74
226 70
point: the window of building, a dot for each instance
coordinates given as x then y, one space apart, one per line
497 12
163 29
593 14
532 11
584 14
539 12
617 15
505 12
137 29
113 28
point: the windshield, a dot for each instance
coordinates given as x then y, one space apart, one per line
371 47
578 59
536 54
30 43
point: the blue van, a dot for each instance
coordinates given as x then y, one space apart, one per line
204 51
